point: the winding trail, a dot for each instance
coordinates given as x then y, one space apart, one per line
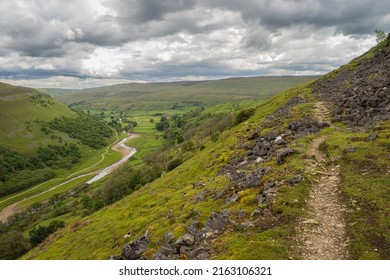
121 147
322 235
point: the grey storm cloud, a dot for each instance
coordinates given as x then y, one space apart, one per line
153 39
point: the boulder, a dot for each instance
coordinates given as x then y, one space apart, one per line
350 149
373 136
296 179
279 140
185 240
281 154
241 214
168 238
202 195
215 224
270 136
232 198
135 249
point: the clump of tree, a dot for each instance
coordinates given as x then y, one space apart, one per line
40 233
18 172
12 244
126 180
131 124
91 131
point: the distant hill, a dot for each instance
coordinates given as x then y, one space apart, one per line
55 92
166 96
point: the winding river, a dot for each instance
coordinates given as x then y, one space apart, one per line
126 151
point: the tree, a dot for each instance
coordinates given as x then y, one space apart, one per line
380 35
12 245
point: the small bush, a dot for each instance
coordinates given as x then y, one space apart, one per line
174 163
243 115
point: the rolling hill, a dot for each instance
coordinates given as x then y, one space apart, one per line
178 95
305 177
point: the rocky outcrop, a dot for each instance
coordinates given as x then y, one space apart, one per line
195 243
135 249
360 91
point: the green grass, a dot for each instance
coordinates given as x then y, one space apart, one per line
19 114
365 186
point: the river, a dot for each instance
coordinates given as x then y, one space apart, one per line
126 151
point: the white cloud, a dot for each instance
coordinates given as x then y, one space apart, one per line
110 40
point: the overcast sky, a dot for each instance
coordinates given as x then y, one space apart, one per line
75 44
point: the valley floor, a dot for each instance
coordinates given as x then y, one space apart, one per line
118 147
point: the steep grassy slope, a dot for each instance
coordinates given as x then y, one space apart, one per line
21 112
41 139
178 95
243 196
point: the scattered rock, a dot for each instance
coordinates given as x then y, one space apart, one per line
198 185
168 238
350 149
241 214
373 136
225 213
280 141
260 199
258 160
283 153
219 194
256 213
202 195
215 224
232 198
296 179
247 225
270 136
135 249
185 240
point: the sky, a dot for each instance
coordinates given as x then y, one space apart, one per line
89 43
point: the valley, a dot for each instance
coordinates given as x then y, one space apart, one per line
248 168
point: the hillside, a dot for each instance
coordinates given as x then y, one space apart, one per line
178 95
41 139
21 111
306 177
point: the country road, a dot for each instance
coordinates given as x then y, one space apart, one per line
126 151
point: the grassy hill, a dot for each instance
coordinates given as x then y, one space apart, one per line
178 95
21 112
247 193
41 139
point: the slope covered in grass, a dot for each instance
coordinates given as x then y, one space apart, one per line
22 110
244 194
